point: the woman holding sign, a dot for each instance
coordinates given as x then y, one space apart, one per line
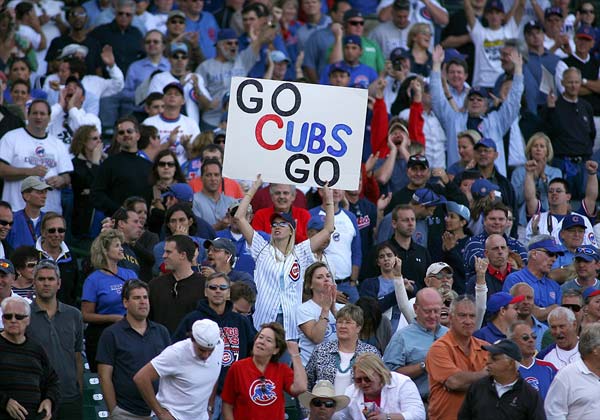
280 263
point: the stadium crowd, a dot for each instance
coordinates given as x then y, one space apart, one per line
459 280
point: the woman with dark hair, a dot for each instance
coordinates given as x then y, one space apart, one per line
377 329
165 172
24 258
316 316
454 240
86 146
254 386
19 68
179 220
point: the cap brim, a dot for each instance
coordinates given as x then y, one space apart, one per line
585 257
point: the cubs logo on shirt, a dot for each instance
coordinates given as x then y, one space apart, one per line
262 392
40 151
533 381
295 271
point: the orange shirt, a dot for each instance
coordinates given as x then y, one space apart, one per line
444 359
232 188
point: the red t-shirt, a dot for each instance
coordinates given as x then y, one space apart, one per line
254 395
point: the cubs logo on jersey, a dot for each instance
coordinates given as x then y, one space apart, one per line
262 392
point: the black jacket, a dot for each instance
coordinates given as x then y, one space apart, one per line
521 402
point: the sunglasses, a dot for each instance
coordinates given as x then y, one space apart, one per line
54 230
572 306
356 22
217 287
153 41
6 223
361 379
220 141
19 317
128 131
179 57
441 276
527 337
232 43
318 403
124 14
163 164
30 265
177 21
279 224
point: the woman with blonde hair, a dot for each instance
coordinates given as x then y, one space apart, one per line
539 153
376 391
419 37
101 303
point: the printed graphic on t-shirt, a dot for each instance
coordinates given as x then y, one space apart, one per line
262 392
41 158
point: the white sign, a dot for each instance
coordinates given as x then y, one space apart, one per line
295 133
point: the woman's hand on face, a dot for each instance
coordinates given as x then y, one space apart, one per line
181 229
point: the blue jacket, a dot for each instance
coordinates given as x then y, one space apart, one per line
21 234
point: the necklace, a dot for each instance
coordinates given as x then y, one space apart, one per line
338 363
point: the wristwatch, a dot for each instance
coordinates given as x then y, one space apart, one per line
422 364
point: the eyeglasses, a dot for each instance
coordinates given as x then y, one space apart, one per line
30 264
356 22
19 317
124 14
128 131
153 41
179 57
557 191
441 276
361 379
164 164
572 306
527 337
279 224
318 403
54 230
217 287
174 290
6 223
177 21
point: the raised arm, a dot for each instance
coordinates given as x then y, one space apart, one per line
591 187
531 200
400 290
470 14
438 14
240 214
318 240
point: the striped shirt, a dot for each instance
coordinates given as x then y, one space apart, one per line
279 280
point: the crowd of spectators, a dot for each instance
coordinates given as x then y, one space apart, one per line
458 280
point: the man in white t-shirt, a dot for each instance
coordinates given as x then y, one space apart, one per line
172 119
30 151
489 41
563 327
188 372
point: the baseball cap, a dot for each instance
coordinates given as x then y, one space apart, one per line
482 187
352 39
586 32
507 347
427 198
173 85
417 159
486 142
179 47
176 13
34 183
74 49
6 266
549 245
398 54
181 191
234 206
225 34
587 253
352 13
452 54
278 57
221 243
285 216
462 211
532 24
315 223
478 90
572 220
206 333
436 268
590 292
553 11
494 5
499 300
339 66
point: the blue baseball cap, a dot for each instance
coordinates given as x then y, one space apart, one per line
549 245
174 85
590 292
398 54
587 253
478 90
462 211
427 198
482 187
316 223
500 299
285 216
553 11
181 191
572 220
494 5
339 66
486 142
278 56
179 47
585 32
352 39
225 34
531 25
452 54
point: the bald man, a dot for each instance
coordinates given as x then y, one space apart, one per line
496 252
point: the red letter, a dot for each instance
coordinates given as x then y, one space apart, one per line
259 127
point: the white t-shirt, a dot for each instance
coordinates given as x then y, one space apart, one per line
186 382
561 358
187 126
310 311
343 380
20 149
488 43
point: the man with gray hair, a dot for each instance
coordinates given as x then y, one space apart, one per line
58 327
542 252
575 390
563 327
29 386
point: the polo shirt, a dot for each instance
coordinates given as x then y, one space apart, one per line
574 285
489 333
210 210
574 392
409 346
445 358
123 348
546 291
62 337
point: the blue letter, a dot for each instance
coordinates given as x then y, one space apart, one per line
317 132
289 144
338 139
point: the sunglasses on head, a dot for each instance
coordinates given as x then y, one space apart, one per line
217 287
54 230
572 306
19 317
318 403
163 164
6 223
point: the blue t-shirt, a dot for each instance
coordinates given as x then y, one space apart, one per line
539 375
105 290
